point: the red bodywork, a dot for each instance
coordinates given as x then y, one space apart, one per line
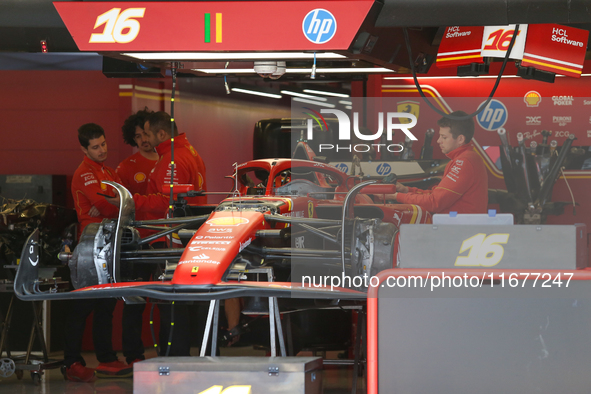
226 233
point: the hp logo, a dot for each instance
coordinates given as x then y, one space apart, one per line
319 26
342 167
383 169
493 116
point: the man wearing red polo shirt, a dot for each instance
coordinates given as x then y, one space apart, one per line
464 187
188 169
188 166
91 207
134 170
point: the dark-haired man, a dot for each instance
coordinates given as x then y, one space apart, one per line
464 186
134 170
86 182
188 169
92 208
188 165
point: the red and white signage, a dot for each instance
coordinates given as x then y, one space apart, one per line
214 26
460 45
496 40
555 48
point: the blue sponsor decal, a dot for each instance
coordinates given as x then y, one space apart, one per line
319 26
493 116
342 167
383 169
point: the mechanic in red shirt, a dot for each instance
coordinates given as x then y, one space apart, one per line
86 182
92 208
188 166
188 169
134 170
464 187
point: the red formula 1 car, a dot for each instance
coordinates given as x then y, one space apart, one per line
289 226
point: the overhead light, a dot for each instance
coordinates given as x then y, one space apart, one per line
232 56
257 93
341 70
338 70
345 102
225 70
303 95
333 94
456 77
321 104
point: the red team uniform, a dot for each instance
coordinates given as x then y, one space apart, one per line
86 183
464 187
134 172
188 169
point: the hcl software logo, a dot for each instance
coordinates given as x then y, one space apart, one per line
319 26
405 122
493 116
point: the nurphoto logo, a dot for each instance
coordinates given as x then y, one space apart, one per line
404 122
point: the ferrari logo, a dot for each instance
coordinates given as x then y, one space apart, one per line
410 107
310 209
194 269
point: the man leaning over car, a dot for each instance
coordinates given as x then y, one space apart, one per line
464 186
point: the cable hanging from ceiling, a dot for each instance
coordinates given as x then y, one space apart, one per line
483 105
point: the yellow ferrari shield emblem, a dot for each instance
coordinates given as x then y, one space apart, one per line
195 269
410 107
310 209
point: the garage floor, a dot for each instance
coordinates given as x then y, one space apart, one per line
337 380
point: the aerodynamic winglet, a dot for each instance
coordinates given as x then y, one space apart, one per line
27 272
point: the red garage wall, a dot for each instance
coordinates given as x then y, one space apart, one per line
42 110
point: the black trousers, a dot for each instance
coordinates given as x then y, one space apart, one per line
102 330
131 331
181 330
181 340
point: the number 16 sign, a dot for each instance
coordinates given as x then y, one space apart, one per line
496 40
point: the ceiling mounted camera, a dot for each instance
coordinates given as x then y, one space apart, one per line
281 66
265 68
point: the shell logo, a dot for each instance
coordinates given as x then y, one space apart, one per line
227 221
193 152
103 186
532 98
139 177
200 180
